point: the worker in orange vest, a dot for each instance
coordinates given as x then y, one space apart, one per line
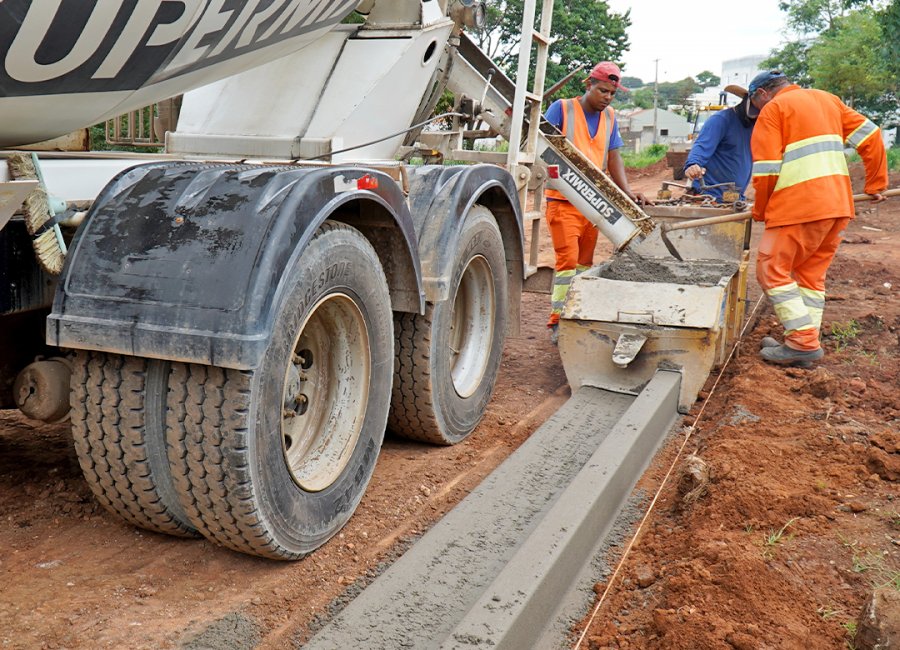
589 123
804 197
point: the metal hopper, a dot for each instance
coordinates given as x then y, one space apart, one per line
629 317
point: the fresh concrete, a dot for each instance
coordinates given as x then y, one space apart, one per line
543 510
521 602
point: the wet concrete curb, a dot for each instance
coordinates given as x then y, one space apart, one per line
519 605
545 509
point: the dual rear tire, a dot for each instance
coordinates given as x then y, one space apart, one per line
273 461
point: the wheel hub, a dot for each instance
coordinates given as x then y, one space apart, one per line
325 392
472 326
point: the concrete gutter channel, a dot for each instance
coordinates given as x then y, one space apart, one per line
498 569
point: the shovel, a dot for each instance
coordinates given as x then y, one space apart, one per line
666 228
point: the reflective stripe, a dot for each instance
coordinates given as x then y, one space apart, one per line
799 144
581 268
777 300
767 168
866 129
784 293
813 298
797 324
812 147
810 166
810 158
568 107
815 304
561 282
608 111
790 308
815 317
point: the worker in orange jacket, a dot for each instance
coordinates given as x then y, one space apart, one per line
804 197
589 123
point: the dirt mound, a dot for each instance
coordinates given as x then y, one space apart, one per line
800 519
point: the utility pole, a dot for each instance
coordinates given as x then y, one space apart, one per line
655 100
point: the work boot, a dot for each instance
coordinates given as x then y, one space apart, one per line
785 356
769 342
554 333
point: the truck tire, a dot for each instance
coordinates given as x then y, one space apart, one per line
118 405
447 359
273 461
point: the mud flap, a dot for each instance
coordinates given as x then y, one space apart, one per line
185 261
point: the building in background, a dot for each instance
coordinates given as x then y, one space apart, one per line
740 71
636 127
734 71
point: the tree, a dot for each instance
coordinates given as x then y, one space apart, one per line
585 32
843 61
792 60
631 82
707 79
643 98
847 47
816 16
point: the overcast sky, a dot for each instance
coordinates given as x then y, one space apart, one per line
690 37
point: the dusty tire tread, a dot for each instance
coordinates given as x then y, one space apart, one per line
412 411
109 429
213 476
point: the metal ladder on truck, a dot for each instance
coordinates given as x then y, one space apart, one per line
538 156
523 151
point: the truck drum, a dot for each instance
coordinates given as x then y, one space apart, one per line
273 461
448 358
118 415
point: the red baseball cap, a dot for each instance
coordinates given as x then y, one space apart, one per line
607 71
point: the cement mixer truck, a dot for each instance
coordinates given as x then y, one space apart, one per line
237 320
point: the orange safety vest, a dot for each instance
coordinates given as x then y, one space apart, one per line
799 168
575 128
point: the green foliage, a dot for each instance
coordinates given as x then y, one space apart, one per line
850 626
707 79
353 19
792 60
98 142
847 47
810 16
670 93
843 62
631 82
844 333
652 154
893 158
643 98
586 32
774 538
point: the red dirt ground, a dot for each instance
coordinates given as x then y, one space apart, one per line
800 518
822 457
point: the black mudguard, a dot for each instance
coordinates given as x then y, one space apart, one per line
440 197
184 261
24 286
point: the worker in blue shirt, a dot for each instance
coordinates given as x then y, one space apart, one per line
721 153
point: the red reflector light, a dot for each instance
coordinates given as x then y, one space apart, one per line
553 171
367 182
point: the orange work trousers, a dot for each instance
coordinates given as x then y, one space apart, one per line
791 266
574 240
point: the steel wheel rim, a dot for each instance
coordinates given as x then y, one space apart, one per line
325 392
472 326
